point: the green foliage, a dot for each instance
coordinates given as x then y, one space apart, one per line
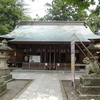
26 18
59 10
93 22
11 11
82 4
5 28
97 10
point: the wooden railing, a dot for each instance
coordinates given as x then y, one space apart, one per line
50 66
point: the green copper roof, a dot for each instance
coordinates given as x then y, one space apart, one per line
51 32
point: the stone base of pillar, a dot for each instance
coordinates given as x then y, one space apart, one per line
5 73
89 87
3 87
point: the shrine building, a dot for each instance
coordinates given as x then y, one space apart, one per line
47 45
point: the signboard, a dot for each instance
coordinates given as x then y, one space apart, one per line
35 58
73 59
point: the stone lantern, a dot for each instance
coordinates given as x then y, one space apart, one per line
4 70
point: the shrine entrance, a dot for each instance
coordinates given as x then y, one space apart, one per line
43 56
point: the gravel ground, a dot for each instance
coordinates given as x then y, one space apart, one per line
14 87
71 93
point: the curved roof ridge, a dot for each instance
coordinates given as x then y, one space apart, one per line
52 23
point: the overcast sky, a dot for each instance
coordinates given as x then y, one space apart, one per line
37 7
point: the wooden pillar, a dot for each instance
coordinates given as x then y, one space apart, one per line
45 55
50 58
54 57
50 55
27 50
59 55
41 49
45 64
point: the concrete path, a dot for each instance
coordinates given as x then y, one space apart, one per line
46 84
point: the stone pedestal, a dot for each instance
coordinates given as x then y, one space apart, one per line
3 87
89 87
5 73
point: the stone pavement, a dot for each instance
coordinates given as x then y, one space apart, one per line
46 84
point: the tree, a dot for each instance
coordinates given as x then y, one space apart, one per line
97 10
93 22
82 4
26 18
11 11
59 10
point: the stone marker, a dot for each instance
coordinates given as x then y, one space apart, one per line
4 70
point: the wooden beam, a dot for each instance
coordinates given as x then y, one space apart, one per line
54 56
59 55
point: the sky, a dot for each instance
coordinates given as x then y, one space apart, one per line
37 7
